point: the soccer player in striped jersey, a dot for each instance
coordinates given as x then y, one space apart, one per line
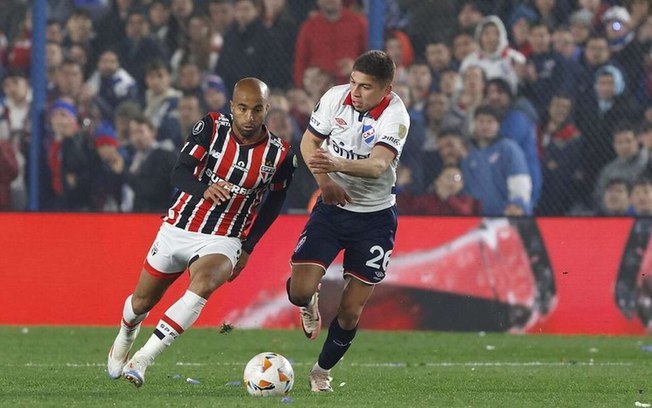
352 147
232 176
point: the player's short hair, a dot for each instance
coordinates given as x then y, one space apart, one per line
377 64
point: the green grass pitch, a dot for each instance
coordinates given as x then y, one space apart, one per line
64 367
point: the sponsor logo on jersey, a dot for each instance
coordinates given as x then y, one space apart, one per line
391 140
341 122
215 154
240 166
314 121
347 154
235 189
316 107
199 126
368 134
223 121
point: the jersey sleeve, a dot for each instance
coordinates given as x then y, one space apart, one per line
198 141
322 114
394 131
283 176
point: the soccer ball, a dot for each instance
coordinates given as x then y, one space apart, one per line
268 374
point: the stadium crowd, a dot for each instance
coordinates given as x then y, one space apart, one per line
540 107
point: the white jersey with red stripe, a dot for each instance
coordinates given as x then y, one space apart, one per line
251 169
350 134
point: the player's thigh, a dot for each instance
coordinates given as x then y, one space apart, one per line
368 248
212 264
319 242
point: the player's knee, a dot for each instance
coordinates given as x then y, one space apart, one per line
299 299
142 304
349 318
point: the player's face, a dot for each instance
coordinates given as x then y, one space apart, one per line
366 91
249 110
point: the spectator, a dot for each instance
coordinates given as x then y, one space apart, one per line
518 24
463 45
641 197
420 82
189 80
470 15
148 174
215 96
630 161
397 45
71 159
467 99
109 193
80 32
425 14
331 39
494 55
515 124
201 47
15 110
545 72
111 28
560 147
161 98
495 170
53 60
8 172
189 111
627 51
124 113
445 197
245 52
596 55
439 58
316 82
181 11
598 111
111 84
159 17
281 29
137 48
615 199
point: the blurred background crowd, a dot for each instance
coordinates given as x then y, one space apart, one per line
540 107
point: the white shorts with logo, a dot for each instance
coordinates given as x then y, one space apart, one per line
174 248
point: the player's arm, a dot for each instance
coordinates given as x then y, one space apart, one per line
374 166
331 192
192 154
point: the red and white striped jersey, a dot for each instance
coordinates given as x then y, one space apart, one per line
251 169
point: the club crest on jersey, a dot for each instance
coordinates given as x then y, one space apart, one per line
267 170
368 134
199 126
341 122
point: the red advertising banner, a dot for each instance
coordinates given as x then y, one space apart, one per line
550 275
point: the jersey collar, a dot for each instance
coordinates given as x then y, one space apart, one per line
376 111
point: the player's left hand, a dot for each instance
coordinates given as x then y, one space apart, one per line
323 162
240 265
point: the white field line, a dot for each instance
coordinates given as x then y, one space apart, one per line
371 365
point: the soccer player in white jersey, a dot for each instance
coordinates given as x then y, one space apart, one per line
352 146
230 170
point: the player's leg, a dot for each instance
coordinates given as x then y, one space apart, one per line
209 269
147 294
341 332
303 291
317 247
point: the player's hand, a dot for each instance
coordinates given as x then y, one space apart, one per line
240 265
333 194
323 162
218 192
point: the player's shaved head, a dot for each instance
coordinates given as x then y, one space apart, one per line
249 107
252 86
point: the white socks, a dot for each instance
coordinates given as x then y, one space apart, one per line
177 319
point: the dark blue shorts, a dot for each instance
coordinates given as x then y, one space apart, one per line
366 238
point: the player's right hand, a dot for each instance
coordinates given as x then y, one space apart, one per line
333 194
219 192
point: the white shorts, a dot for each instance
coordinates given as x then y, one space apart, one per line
174 248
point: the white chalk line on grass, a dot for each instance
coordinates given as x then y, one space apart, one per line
370 365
